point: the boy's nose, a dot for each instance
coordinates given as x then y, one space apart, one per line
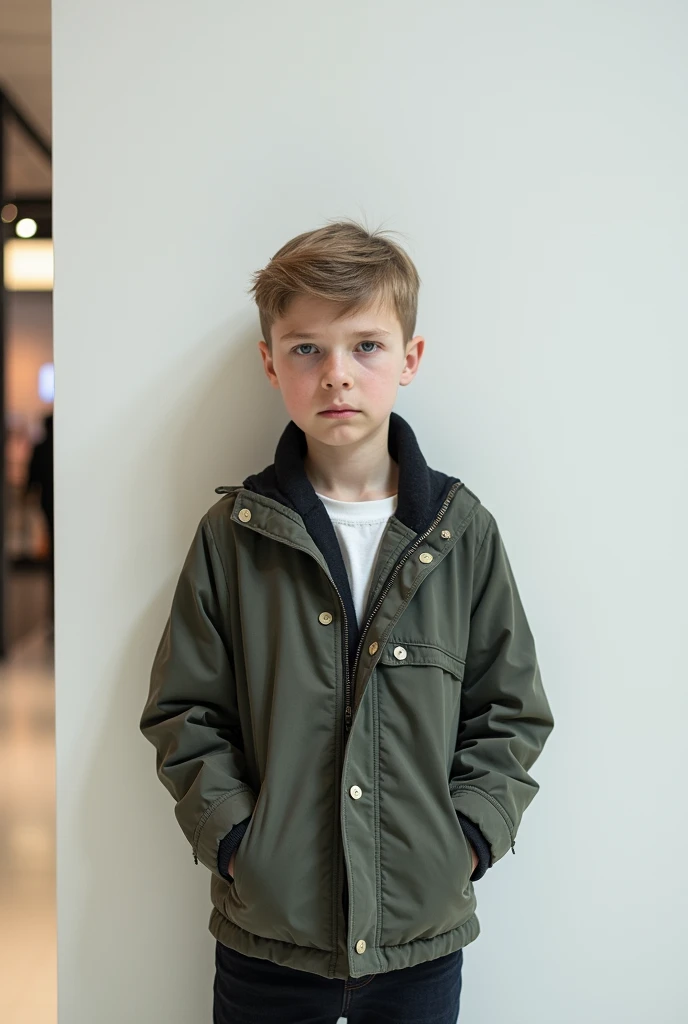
337 372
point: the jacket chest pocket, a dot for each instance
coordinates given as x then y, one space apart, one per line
419 701
415 653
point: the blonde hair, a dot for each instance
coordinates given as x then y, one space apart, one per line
343 262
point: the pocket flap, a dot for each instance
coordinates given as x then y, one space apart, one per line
414 652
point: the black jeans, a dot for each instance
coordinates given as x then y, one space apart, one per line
249 990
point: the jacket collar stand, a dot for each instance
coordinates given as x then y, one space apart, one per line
421 492
421 489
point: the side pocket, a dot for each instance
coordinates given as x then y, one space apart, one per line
467 846
465 853
468 850
240 853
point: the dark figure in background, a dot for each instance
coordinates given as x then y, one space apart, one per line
41 475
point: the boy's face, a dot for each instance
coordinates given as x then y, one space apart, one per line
335 366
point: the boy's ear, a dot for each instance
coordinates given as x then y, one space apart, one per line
414 353
268 365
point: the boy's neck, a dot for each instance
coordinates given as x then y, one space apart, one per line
364 471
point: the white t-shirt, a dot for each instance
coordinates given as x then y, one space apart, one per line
359 526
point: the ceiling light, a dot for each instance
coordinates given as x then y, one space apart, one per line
9 212
29 265
26 227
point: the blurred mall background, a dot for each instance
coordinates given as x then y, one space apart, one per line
27 815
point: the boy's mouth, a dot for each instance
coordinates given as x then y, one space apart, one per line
339 409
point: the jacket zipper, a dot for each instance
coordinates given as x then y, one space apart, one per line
347 687
348 713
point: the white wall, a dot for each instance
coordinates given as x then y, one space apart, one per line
534 156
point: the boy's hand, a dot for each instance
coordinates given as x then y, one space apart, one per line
230 868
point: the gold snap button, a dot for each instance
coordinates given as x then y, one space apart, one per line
244 514
361 946
400 653
325 618
446 534
425 557
356 792
373 648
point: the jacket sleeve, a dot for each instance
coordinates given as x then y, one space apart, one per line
191 715
505 716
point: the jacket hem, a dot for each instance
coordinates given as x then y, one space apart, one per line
319 961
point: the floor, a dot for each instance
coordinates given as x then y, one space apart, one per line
28 959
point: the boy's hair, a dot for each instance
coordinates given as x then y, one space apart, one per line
343 262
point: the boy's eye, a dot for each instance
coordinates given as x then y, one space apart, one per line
309 344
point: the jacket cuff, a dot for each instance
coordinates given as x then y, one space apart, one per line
479 843
228 845
487 814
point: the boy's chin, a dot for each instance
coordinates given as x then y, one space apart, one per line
341 432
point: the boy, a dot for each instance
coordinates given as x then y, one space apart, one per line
346 699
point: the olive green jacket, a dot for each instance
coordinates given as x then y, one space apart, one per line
353 755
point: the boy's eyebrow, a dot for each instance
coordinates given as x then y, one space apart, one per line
374 331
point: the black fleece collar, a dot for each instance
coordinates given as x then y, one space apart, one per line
421 489
421 492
